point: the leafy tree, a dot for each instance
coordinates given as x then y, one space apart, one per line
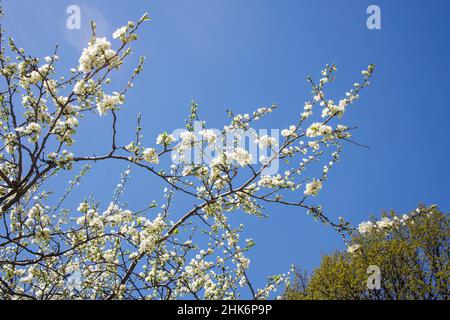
411 252
181 243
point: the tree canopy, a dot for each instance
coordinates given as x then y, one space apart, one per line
410 252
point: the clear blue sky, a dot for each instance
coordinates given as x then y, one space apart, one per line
244 54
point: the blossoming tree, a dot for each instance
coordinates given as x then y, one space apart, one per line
48 251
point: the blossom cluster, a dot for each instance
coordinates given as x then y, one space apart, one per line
98 54
386 224
109 102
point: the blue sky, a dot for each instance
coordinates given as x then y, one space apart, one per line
245 54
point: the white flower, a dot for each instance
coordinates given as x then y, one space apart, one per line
353 248
165 139
266 141
306 114
308 106
109 102
34 127
275 181
365 227
79 87
209 135
308 111
313 188
120 32
221 159
317 129
52 155
385 222
36 75
187 138
96 55
150 155
33 130
241 156
83 207
333 109
72 122
288 132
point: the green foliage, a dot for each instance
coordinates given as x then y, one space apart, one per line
412 256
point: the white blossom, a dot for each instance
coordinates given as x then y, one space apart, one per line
242 156
165 139
366 227
318 129
187 138
33 129
120 32
209 135
289 132
150 155
385 222
109 102
353 248
266 141
313 188
96 55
